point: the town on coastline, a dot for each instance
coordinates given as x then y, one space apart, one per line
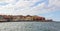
21 18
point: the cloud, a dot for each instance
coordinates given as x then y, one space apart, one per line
29 7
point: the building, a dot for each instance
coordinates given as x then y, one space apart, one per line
22 18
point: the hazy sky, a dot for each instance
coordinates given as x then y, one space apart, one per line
46 8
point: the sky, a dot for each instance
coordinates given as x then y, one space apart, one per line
47 8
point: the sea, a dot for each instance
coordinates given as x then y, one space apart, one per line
29 26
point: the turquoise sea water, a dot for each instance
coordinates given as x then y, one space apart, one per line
30 26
